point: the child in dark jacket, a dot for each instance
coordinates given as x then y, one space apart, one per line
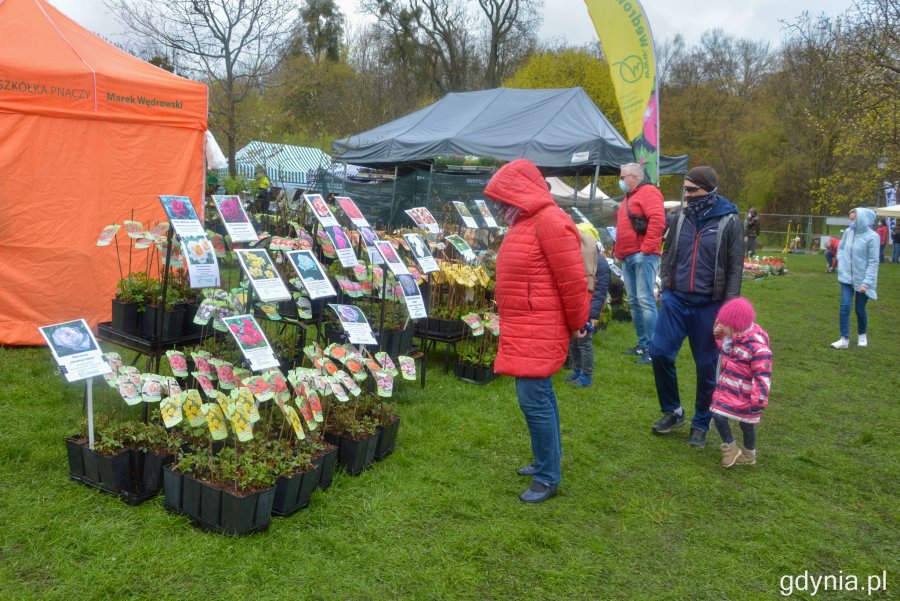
581 350
743 381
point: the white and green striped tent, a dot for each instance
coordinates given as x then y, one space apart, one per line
284 164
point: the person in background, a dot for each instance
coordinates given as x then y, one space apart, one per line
542 297
857 274
701 267
752 231
831 253
895 239
581 350
745 376
882 231
640 223
263 196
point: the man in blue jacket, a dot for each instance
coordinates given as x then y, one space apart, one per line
701 268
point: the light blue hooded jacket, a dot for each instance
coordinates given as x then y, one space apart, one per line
858 254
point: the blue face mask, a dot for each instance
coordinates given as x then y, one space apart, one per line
852 225
623 186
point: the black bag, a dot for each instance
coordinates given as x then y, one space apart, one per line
638 223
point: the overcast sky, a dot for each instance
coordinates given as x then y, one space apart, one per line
568 20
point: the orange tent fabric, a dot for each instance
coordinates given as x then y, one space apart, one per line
89 135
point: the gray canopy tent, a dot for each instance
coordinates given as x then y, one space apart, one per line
560 130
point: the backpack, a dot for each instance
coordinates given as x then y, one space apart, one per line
589 255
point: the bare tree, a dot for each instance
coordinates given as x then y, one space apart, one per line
510 34
233 45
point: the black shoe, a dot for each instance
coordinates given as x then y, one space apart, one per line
539 492
637 350
527 470
668 422
697 439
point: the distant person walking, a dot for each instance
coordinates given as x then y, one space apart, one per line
701 267
542 297
882 232
640 223
857 274
752 232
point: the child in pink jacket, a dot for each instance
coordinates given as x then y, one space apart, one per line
743 380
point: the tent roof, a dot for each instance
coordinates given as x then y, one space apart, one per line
283 162
52 66
561 130
892 211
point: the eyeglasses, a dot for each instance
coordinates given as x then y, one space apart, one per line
691 189
627 175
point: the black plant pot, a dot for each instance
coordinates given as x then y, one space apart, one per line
476 374
218 510
172 490
125 318
387 439
188 328
145 476
112 472
326 463
109 474
435 326
397 342
292 493
355 456
171 324
76 459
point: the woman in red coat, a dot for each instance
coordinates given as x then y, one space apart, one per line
543 300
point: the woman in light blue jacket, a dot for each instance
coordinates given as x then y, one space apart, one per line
857 273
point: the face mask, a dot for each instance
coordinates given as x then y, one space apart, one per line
623 186
852 225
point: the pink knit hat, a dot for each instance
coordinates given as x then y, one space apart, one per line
737 314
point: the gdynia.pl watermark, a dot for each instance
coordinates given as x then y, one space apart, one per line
813 584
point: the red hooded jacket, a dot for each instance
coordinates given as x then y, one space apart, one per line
541 285
645 201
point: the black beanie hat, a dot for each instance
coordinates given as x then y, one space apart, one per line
705 177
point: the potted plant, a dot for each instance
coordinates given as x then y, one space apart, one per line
476 353
229 492
354 433
129 303
172 316
298 477
387 425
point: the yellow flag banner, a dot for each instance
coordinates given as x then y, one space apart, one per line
628 47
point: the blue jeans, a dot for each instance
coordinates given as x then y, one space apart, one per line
862 320
895 254
538 404
639 272
678 320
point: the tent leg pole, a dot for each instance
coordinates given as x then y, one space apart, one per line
594 188
575 192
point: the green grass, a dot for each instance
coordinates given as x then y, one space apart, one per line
638 516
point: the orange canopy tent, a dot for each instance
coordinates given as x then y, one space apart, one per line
89 135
